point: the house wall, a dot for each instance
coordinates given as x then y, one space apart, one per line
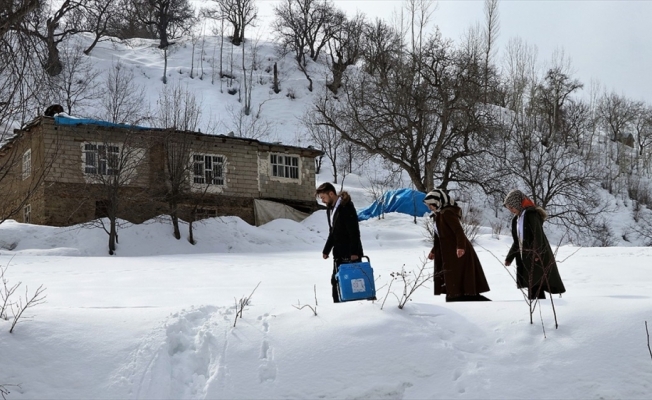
68 197
65 146
300 190
14 188
241 164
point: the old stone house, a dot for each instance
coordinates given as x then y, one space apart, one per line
71 170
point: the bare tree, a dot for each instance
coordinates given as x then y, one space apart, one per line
326 138
617 113
304 27
14 12
642 125
240 14
551 97
381 182
194 39
248 76
178 166
169 18
177 108
381 44
491 32
122 100
421 116
345 46
53 29
23 83
76 85
127 23
100 16
112 169
520 73
22 90
562 179
251 126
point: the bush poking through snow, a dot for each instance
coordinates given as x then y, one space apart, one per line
412 280
241 304
648 339
21 305
4 391
301 307
18 308
532 303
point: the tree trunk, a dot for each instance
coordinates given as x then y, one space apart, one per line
113 234
53 65
174 216
92 46
163 34
237 38
165 66
175 225
338 73
191 238
275 86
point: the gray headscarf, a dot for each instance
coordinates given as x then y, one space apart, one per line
519 201
515 199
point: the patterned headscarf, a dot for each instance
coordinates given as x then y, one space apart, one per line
516 199
439 199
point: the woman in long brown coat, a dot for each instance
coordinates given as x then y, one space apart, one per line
458 272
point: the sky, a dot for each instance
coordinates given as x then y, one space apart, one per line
607 41
157 320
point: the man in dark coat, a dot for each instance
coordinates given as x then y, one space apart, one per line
458 272
343 230
536 268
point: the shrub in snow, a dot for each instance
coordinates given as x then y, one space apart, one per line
412 280
19 306
241 304
301 307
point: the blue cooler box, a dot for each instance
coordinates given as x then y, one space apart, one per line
356 281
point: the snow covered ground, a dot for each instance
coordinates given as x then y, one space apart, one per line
157 320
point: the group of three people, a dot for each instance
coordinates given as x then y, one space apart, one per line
458 272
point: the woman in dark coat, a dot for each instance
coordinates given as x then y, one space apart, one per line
536 268
458 272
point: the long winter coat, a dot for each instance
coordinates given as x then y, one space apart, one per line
536 254
455 276
344 232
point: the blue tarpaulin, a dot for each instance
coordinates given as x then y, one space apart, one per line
406 201
60 120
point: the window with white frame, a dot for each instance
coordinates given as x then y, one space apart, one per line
285 166
101 159
27 213
27 163
208 169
